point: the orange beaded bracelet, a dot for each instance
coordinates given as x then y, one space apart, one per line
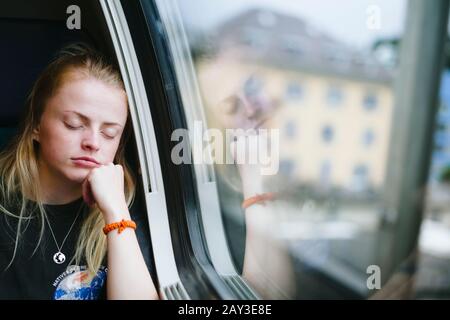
119 225
259 198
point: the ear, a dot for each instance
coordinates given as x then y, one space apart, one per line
36 132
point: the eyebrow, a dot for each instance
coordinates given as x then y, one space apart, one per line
84 117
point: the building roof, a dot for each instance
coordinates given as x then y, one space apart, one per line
268 37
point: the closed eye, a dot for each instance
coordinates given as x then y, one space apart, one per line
71 126
110 133
108 136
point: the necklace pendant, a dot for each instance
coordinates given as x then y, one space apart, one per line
59 257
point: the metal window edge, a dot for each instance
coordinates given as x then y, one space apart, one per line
171 286
207 189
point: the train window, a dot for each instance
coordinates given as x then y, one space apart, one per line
433 258
347 224
319 138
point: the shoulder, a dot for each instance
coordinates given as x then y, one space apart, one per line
8 224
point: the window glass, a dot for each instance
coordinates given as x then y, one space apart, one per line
327 133
370 101
294 91
325 174
368 137
334 95
325 234
291 129
287 167
433 275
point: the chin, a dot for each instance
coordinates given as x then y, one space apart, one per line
77 175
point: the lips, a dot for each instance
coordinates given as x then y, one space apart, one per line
86 162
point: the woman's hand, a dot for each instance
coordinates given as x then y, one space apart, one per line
241 148
105 186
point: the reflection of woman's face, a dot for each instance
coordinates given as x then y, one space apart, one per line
238 111
85 118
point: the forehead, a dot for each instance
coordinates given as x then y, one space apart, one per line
91 97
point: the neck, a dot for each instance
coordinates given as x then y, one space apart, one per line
56 189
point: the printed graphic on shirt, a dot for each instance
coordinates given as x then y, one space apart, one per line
74 284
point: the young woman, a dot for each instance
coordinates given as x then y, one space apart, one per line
65 227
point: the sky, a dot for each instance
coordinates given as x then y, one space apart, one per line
345 20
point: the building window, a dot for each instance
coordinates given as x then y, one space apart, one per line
290 129
368 137
370 101
325 173
287 167
360 179
334 96
294 91
327 133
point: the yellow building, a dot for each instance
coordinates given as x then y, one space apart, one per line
333 106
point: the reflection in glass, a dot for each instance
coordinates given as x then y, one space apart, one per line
327 82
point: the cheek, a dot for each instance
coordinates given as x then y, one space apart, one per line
51 140
110 150
54 141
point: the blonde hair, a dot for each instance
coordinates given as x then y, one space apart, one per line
19 175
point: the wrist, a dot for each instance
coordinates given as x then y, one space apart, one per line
250 187
258 199
121 226
252 180
116 214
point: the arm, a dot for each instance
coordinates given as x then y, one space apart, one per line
267 266
257 220
128 276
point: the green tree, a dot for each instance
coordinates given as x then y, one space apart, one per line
445 175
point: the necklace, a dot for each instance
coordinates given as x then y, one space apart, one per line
60 257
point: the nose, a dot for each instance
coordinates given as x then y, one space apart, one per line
91 141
